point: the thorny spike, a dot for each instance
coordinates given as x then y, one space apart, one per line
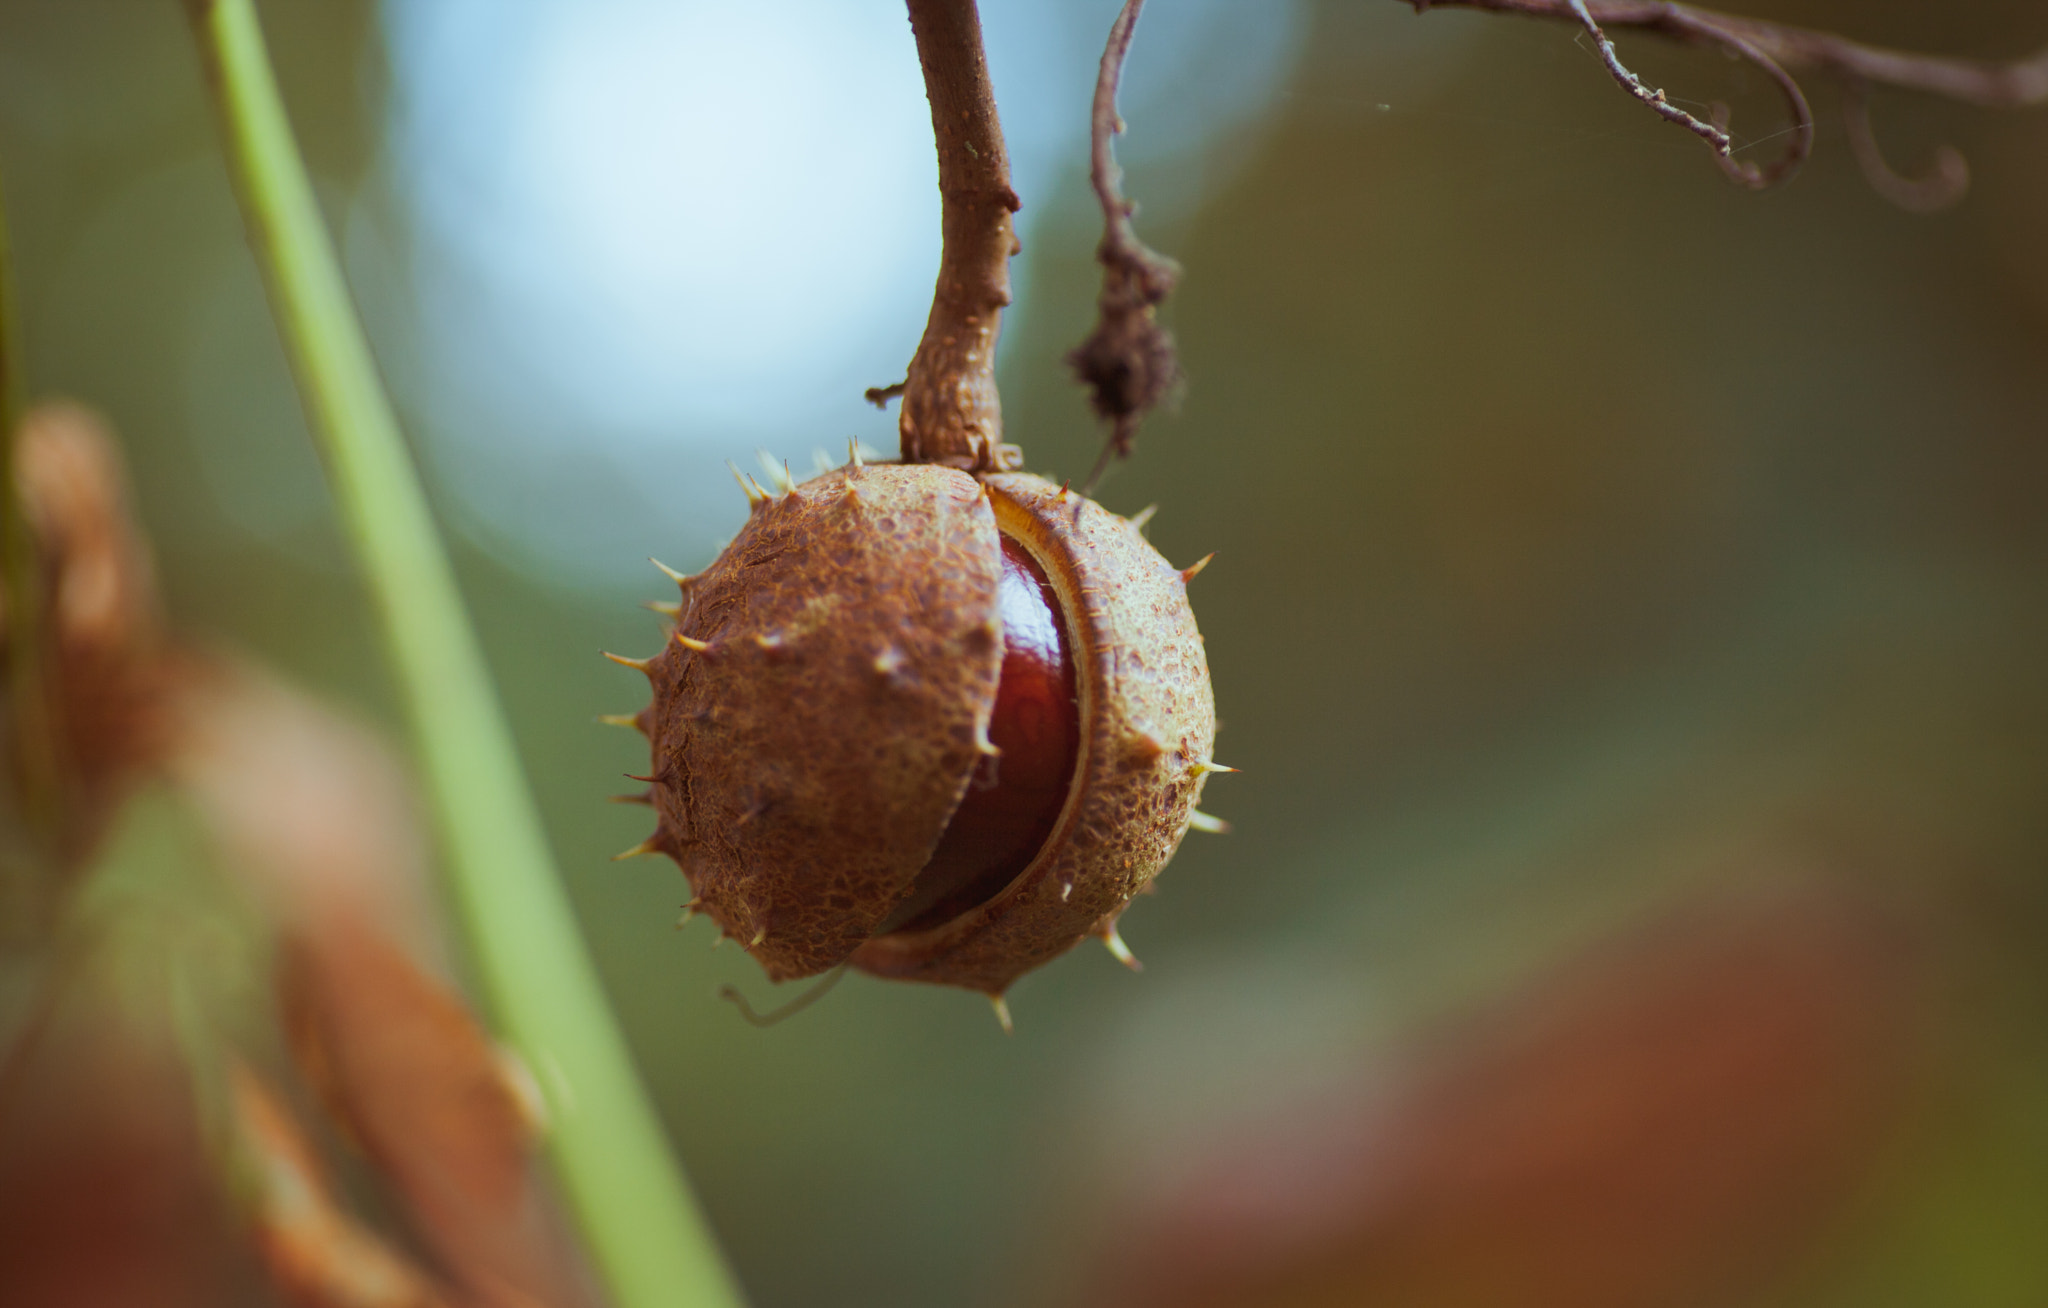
620 720
1120 951
691 643
1143 517
777 470
1204 766
756 497
1063 489
689 911
651 845
1194 569
1002 1008
1208 822
666 609
682 579
853 459
640 797
638 665
759 936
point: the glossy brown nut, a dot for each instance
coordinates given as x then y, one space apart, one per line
825 699
1148 721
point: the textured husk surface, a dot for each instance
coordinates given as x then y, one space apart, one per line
1148 720
806 764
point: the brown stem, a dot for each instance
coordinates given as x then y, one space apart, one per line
1128 362
951 413
1779 50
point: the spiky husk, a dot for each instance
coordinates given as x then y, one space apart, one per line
823 703
826 693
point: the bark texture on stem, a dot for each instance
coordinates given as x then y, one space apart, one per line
951 413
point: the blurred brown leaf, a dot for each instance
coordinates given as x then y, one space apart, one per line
104 628
405 1069
316 1253
75 489
315 815
308 807
1666 1121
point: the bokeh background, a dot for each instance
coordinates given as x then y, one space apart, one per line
1629 617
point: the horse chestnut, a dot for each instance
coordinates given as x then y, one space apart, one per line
938 726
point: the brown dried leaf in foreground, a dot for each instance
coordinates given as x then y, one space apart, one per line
104 628
431 1102
309 808
74 487
317 1255
403 1067
1673 1120
314 815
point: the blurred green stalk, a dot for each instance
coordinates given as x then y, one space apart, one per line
638 1219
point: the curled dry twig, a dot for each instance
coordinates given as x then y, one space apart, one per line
1944 183
1128 362
1779 51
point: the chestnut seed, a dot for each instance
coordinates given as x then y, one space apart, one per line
1015 795
941 727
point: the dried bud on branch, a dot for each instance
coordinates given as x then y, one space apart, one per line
1128 362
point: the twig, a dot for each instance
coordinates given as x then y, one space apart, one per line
951 413
1128 362
1715 134
1779 50
776 1016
